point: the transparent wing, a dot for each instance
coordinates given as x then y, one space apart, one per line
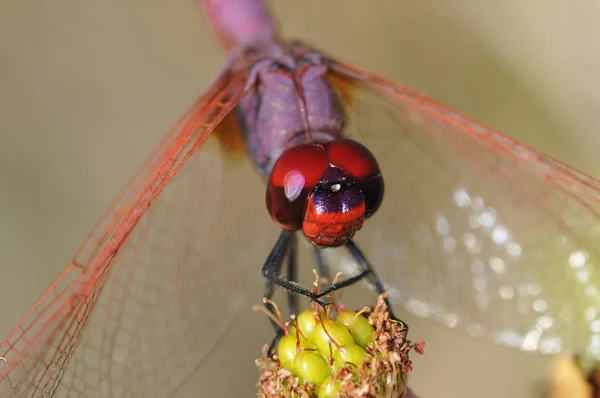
145 299
476 230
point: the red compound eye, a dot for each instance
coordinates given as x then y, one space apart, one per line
294 175
353 158
356 160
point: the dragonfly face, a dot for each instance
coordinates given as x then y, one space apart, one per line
326 190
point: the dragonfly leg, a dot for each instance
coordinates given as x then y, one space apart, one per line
292 273
366 271
373 277
279 332
292 267
276 256
272 267
322 268
345 283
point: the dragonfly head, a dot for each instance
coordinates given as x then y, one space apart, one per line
325 189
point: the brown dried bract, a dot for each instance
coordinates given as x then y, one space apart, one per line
382 374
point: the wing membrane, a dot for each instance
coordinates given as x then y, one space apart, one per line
118 272
477 230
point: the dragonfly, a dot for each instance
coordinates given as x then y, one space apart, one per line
473 230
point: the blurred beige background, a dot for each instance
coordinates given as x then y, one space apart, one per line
87 87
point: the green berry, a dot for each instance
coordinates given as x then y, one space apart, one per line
329 333
329 389
350 353
288 348
361 329
310 367
306 323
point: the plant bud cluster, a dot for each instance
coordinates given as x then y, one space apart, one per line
339 354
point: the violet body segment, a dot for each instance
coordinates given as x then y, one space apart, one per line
290 101
240 22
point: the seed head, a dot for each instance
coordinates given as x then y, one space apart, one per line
338 353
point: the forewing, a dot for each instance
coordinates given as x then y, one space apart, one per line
145 299
477 230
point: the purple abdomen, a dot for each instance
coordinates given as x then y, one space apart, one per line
240 22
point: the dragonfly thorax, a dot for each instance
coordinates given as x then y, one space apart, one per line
290 101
